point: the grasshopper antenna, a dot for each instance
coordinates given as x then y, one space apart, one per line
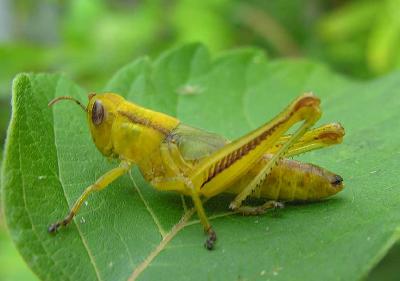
66 98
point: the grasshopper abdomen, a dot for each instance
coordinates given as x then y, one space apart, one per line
292 180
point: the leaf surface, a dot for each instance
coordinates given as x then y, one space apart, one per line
128 229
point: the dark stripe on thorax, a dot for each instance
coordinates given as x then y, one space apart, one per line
145 122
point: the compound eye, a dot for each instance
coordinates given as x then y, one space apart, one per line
97 113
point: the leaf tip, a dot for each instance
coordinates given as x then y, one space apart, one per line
20 82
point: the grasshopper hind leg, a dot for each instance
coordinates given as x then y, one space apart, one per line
306 110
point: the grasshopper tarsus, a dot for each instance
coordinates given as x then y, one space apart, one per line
278 205
53 228
258 210
209 245
212 238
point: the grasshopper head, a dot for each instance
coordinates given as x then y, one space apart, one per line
101 112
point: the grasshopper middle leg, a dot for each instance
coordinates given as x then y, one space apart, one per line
169 183
212 236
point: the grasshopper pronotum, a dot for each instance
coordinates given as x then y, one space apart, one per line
175 157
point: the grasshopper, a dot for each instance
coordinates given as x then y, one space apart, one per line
175 157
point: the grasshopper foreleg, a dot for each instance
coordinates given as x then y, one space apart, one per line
100 184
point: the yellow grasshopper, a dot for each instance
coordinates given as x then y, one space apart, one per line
175 157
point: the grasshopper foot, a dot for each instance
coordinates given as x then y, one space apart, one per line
55 226
259 210
212 237
275 205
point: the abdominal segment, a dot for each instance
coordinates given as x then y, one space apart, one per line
291 180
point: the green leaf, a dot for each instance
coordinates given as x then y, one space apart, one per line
50 159
388 268
12 266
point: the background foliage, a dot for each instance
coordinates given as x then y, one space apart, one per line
90 40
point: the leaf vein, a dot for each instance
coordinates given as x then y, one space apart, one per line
26 207
174 231
149 209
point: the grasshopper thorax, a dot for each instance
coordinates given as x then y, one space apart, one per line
101 112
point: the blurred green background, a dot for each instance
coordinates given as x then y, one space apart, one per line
90 40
